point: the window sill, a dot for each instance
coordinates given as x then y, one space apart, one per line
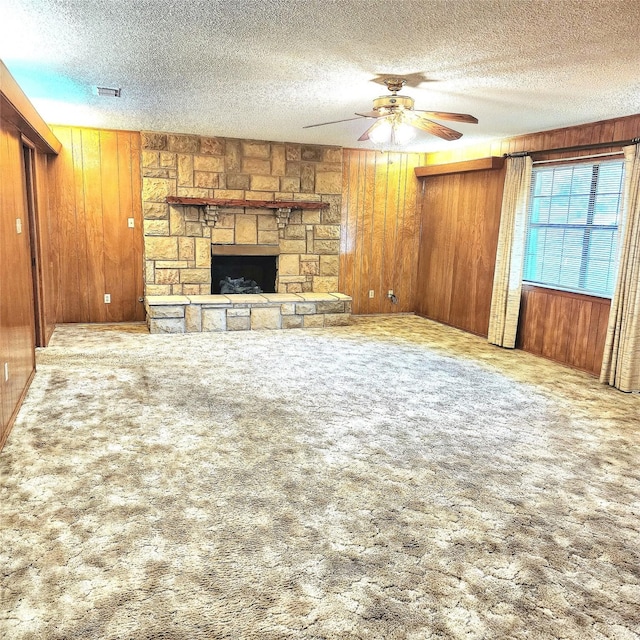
532 286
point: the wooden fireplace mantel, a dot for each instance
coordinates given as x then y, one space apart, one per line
249 204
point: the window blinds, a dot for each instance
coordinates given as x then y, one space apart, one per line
572 227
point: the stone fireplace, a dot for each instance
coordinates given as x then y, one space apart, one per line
181 239
224 203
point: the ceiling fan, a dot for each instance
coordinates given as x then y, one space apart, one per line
395 116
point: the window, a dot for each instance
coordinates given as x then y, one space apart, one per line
572 227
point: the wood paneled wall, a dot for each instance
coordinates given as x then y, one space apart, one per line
95 188
17 348
567 328
460 222
592 133
380 229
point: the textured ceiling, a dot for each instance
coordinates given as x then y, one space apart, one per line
265 68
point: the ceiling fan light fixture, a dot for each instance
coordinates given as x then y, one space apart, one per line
392 131
397 122
403 134
381 132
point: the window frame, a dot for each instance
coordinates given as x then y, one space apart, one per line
587 228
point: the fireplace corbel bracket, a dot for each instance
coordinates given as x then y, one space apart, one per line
209 214
210 207
282 216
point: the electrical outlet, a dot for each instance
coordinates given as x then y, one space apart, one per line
107 298
372 293
390 293
130 223
18 225
6 371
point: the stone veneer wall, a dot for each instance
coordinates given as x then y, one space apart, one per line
178 245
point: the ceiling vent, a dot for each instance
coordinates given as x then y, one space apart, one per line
108 92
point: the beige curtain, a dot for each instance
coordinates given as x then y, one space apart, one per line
507 279
621 361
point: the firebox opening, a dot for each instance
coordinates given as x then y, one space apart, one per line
262 269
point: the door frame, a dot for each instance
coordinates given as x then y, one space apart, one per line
31 199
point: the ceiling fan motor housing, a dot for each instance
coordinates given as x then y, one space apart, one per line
393 103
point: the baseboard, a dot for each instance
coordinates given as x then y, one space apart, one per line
14 415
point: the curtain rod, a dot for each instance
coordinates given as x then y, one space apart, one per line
578 147
587 157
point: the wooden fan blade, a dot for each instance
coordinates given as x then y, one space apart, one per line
435 128
309 126
372 114
446 115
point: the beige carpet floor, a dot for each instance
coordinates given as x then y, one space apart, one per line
394 479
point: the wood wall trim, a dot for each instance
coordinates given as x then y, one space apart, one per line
4 433
17 109
481 164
